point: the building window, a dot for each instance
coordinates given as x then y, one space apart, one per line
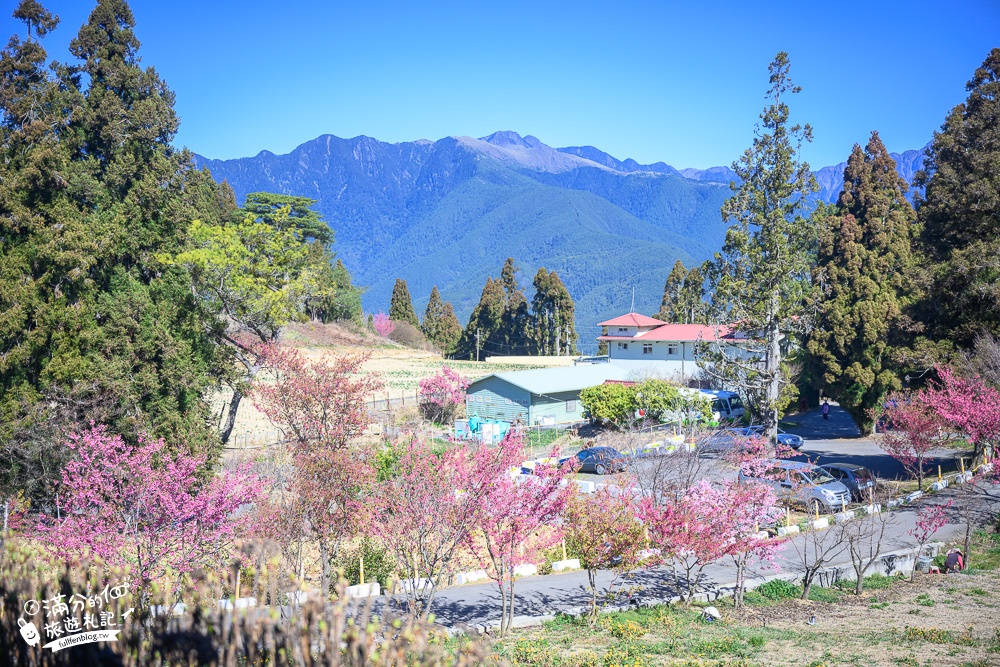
507 401
622 346
625 329
570 407
672 348
647 348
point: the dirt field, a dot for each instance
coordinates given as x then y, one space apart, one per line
933 621
401 369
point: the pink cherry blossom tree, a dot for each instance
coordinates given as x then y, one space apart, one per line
747 507
383 325
315 402
689 532
969 406
603 530
913 432
930 519
441 394
145 507
427 505
516 516
320 405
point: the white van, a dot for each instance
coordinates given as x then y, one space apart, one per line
726 405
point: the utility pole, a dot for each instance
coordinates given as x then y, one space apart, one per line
477 343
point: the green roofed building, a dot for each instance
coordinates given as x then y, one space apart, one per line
542 396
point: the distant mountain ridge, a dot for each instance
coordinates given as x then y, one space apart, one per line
448 213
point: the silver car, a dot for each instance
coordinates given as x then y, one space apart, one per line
803 483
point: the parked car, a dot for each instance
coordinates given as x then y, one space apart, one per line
858 479
803 483
719 442
784 438
601 460
726 405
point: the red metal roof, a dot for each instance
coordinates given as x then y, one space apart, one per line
676 332
631 320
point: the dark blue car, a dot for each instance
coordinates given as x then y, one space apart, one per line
601 460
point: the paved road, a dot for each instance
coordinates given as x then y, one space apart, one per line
837 439
568 592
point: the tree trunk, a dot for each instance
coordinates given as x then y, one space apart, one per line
510 605
773 371
234 405
741 567
324 555
592 576
967 546
807 582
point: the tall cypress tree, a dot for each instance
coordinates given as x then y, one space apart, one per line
959 215
516 330
401 305
749 285
105 193
554 315
683 296
485 324
863 267
440 324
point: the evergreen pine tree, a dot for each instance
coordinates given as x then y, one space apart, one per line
683 296
431 324
693 297
959 215
485 324
554 315
401 305
671 306
301 218
440 325
516 330
92 193
749 285
863 266
450 329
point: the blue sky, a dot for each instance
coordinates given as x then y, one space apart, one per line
677 82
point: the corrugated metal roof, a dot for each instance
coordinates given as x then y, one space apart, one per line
554 380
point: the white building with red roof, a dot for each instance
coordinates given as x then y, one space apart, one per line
641 343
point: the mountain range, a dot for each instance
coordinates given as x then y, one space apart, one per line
449 212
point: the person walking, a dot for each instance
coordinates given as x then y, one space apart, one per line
826 410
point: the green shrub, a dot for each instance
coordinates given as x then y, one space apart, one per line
779 589
379 565
715 648
820 594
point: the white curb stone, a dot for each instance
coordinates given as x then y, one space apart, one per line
525 570
569 564
470 577
844 516
363 591
787 530
819 524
